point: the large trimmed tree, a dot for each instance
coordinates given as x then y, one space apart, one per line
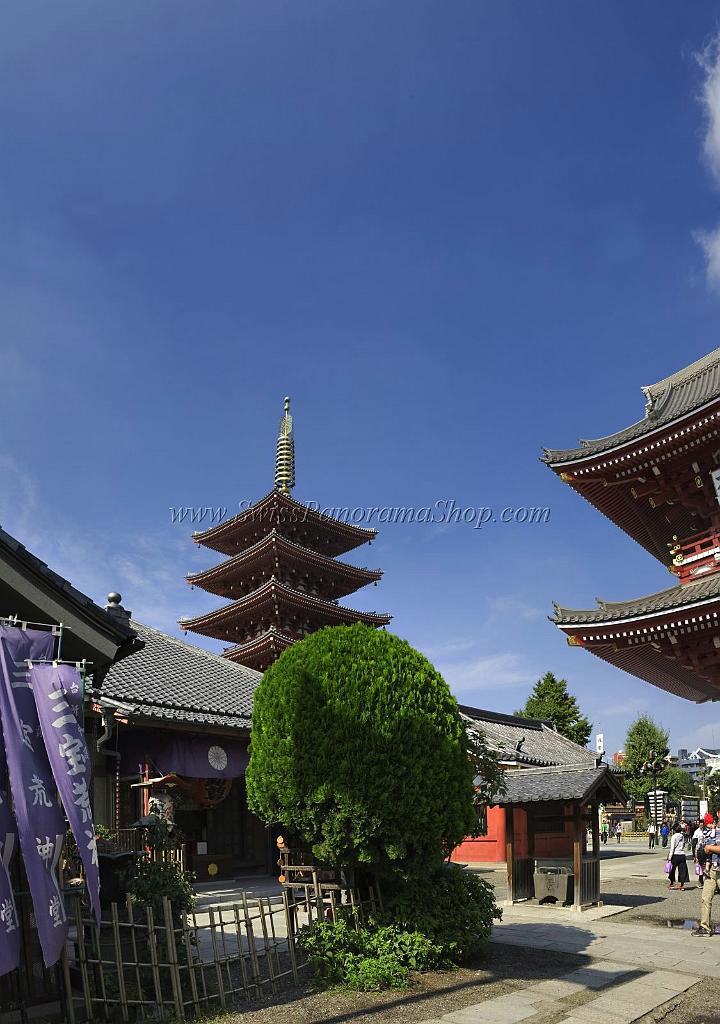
551 701
358 747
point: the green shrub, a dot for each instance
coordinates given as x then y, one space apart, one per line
155 879
358 747
368 958
452 907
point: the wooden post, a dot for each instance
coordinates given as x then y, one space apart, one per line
216 958
69 998
289 925
82 958
117 945
173 959
595 812
510 849
577 854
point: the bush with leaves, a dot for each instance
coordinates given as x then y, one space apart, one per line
358 747
366 958
452 907
157 876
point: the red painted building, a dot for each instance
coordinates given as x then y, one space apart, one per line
522 743
659 481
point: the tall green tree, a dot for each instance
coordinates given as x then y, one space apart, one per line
358 747
643 737
550 700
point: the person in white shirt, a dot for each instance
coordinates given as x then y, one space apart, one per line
696 837
651 835
676 856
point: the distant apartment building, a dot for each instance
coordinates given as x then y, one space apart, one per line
618 758
694 762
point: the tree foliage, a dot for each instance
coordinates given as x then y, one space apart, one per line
643 737
550 700
358 747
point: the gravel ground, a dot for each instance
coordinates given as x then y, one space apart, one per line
699 1005
500 970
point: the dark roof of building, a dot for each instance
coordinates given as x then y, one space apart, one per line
526 740
571 782
670 399
169 679
705 589
33 591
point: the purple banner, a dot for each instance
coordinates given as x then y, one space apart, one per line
177 753
9 924
55 688
40 821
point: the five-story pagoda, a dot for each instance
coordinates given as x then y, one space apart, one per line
282 572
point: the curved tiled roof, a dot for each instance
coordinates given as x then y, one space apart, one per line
572 782
705 589
526 740
668 400
169 679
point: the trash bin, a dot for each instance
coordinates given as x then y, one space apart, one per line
553 882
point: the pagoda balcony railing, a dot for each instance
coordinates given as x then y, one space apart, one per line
697 556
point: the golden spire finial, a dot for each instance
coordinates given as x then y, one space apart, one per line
285 453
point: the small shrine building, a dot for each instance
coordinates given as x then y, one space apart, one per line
658 480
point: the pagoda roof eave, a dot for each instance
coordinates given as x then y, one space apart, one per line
248 602
644 662
359 534
265 640
680 598
673 400
334 565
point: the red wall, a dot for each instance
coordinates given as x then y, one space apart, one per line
485 849
490 849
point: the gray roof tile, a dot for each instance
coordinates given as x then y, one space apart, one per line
666 401
572 782
704 589
172 680
527 740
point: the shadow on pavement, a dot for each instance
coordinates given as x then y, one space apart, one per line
555 935
620 899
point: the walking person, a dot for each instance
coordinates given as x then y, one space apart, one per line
707 854
652 831
604 832
678 859
696 837
618 832
664 833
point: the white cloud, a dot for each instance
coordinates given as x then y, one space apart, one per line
709 242
709 61
512 607
147 570
448 648
707 735
490 672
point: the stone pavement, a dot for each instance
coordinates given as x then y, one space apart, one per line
635 968
574 998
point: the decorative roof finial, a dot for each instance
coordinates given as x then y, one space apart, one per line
285 454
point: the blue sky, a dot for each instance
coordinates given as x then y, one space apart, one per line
453 232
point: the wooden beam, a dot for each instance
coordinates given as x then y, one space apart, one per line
577 855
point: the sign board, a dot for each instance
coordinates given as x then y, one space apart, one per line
600 743
715 477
